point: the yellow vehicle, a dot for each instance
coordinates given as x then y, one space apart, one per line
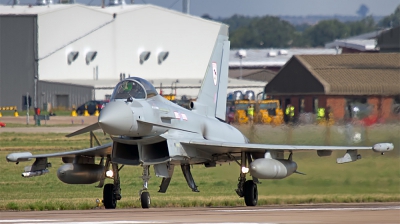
169 96
241 110
269 112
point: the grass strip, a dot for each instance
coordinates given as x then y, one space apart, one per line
374 178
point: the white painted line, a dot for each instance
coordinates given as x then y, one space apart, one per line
26 220
310 209
35 221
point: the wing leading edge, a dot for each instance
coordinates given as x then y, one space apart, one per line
226 147
102 150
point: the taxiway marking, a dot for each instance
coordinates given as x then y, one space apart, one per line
35 221
309 209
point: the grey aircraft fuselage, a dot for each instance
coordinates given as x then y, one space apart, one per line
139 119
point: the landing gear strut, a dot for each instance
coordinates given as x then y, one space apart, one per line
144 194
247 189
112 192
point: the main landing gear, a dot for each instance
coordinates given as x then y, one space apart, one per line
112 192
144 194
247 189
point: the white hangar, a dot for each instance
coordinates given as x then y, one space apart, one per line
57 53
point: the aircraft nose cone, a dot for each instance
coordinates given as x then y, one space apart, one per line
116 118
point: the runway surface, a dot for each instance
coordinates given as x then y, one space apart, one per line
319 213
56 124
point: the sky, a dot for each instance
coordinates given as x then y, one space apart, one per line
227 8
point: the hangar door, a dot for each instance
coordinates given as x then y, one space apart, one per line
62 101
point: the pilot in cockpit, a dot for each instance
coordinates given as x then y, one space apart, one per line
133 88
130 89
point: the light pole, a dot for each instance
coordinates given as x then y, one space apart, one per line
241 54
172 86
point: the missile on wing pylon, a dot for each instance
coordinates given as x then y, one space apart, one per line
383 147
19 157
35 173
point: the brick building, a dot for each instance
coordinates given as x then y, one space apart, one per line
369 82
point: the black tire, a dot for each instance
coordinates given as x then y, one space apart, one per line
250 193
109 200
145 199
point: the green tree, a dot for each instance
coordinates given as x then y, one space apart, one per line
363 26
392 20
206 16
242 37
326 31
264 32
238 21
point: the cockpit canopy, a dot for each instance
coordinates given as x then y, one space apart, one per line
134 87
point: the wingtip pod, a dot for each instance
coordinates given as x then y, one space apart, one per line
19 157
383 147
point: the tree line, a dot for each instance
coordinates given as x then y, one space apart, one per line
273 32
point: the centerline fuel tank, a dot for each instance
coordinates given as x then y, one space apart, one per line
73 173
266 168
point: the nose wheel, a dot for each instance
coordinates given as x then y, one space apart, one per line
145 199
144 194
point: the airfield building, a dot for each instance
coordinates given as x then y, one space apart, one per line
66 54
340 84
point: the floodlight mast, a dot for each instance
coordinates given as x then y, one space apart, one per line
241 54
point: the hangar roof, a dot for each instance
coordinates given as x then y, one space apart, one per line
363 42
44 9
166 83
36 9
262 58
345 74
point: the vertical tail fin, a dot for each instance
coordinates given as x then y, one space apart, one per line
211 100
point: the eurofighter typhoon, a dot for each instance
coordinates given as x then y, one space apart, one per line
148 130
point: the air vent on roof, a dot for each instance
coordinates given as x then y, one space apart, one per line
144 56
241 53
283 52
162 56
44 2
272 54
90 56
67 1
117 2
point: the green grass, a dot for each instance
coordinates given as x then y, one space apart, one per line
374 178
33 125
32 112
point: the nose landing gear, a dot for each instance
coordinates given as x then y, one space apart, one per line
144 194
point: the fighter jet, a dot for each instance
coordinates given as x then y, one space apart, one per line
148 130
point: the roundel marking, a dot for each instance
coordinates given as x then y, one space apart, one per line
215 75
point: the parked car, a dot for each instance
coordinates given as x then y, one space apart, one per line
91 106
